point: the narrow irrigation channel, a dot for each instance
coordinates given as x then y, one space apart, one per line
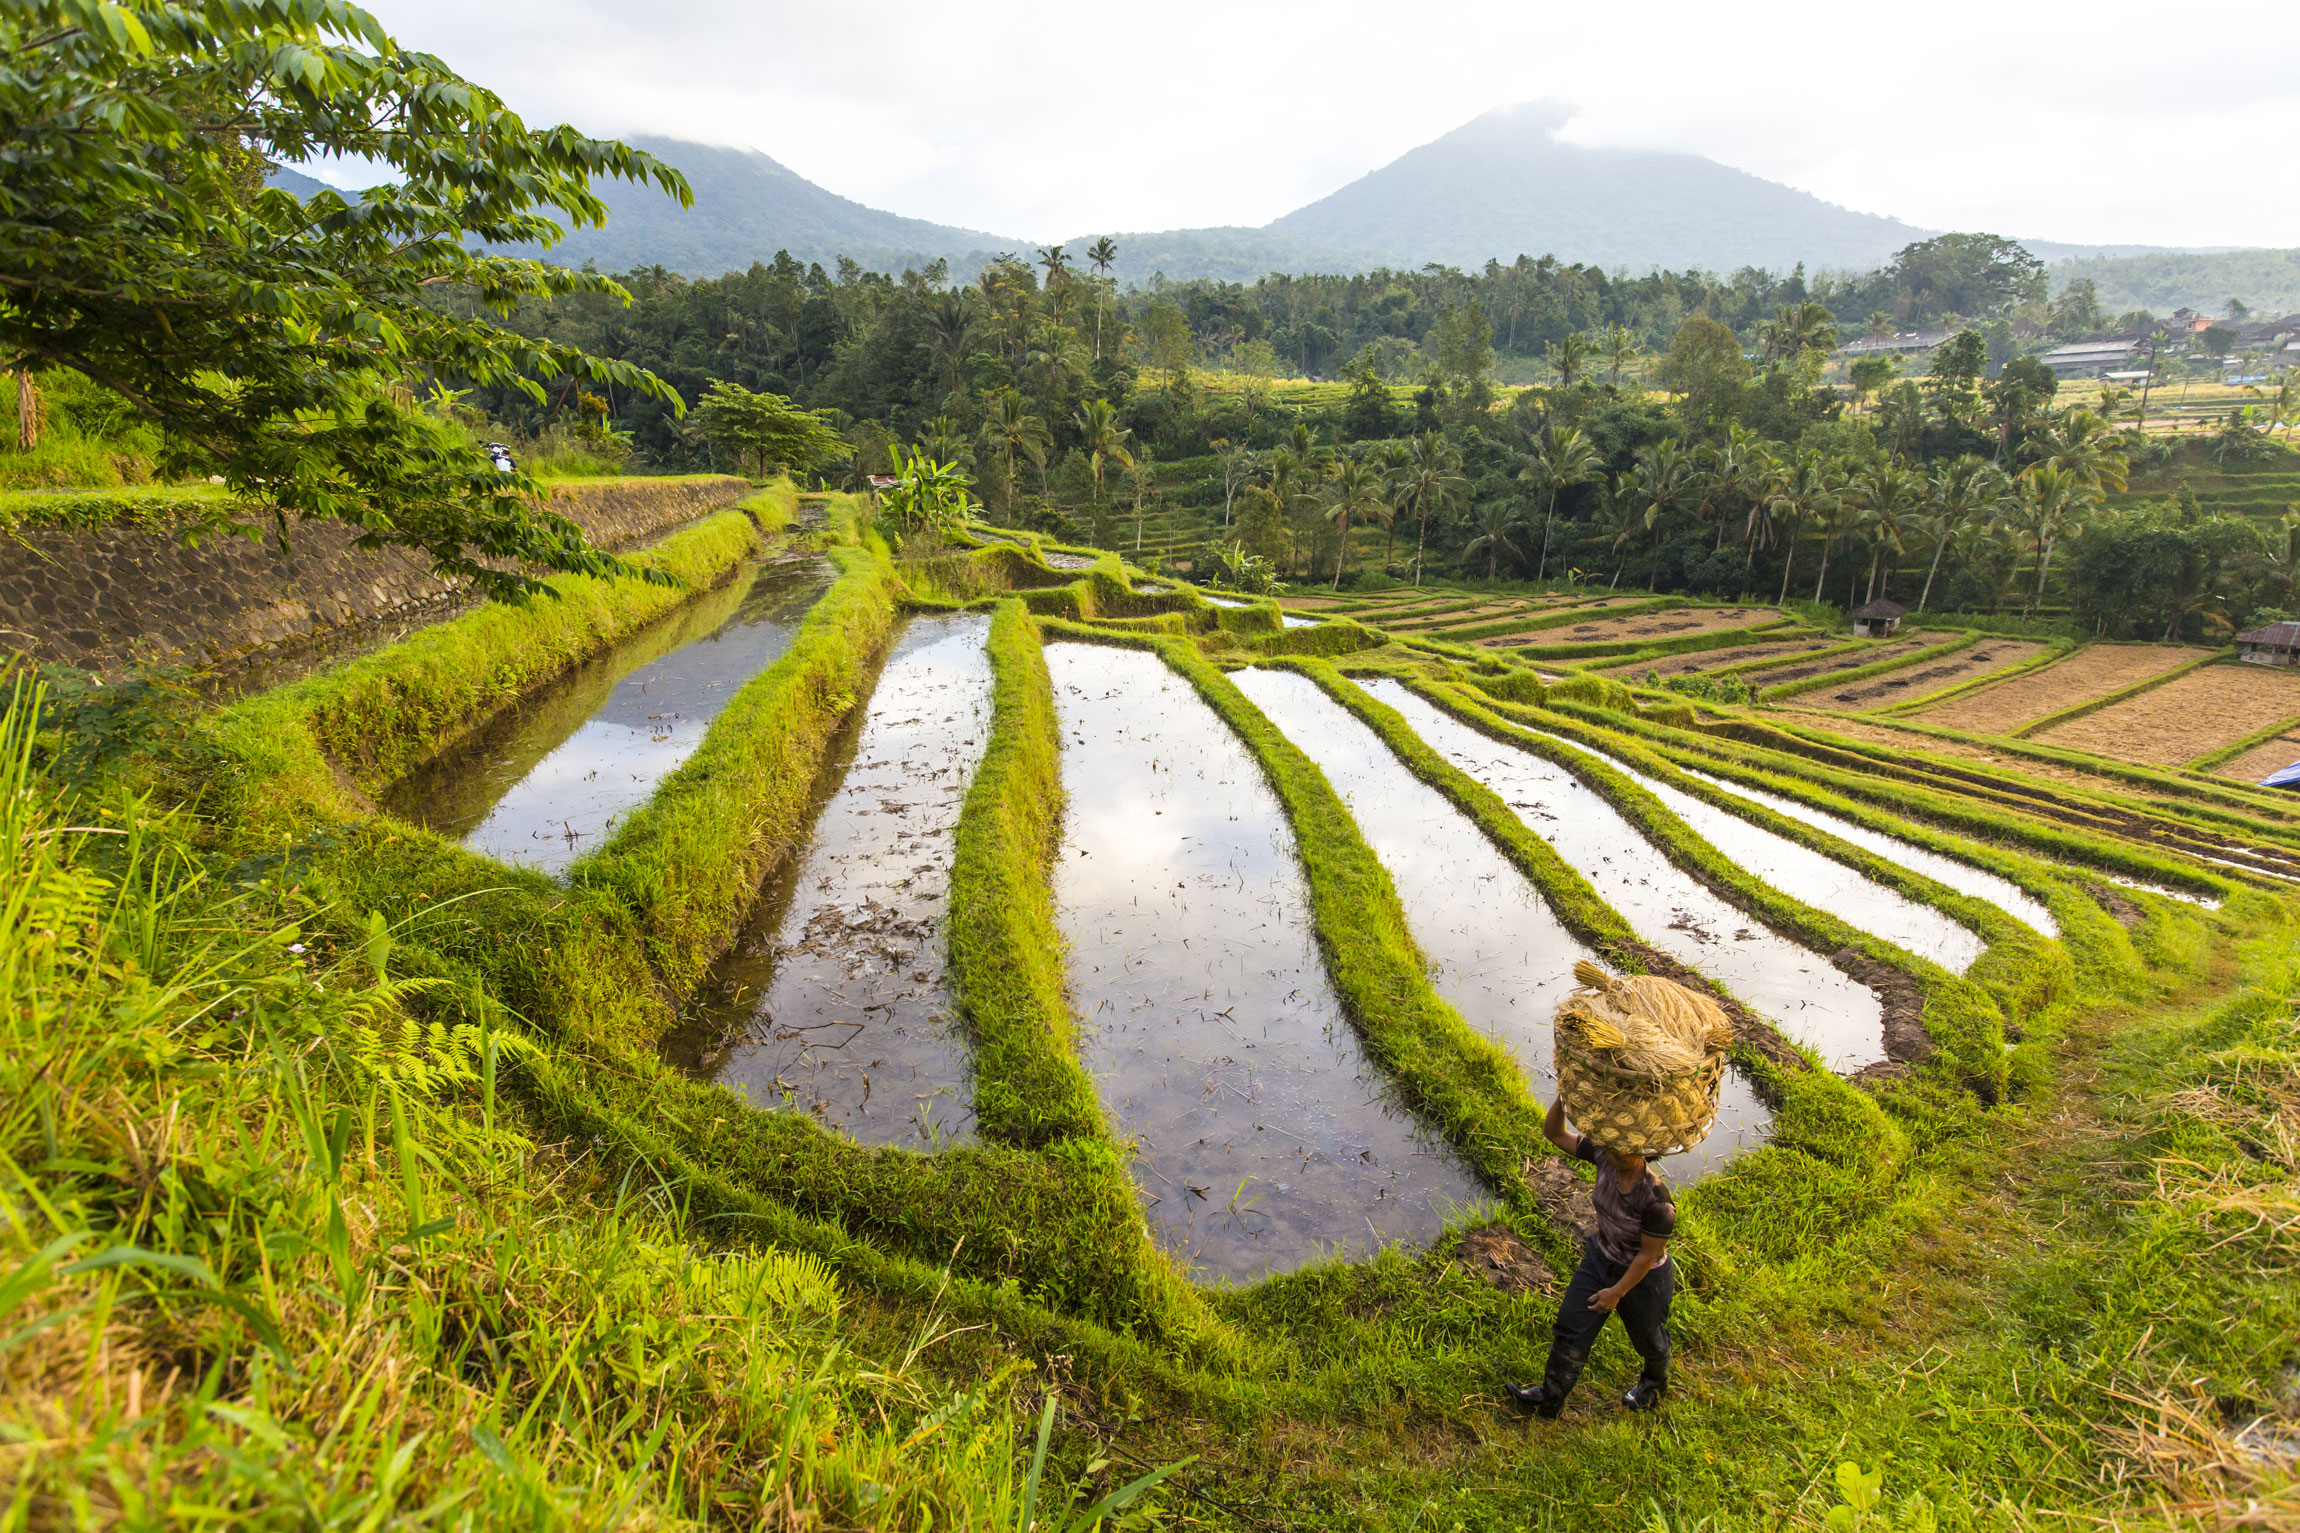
833 999
546 780
1963 877
1808 998
1496 950
1807 875
1266 1138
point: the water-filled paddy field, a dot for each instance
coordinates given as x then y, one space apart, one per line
833 1001
549 778
1265 1137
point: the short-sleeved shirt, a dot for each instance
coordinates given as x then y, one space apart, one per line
1626 1215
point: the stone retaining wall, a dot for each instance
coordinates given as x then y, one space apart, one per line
106 598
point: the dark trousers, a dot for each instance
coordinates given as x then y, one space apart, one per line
1644 1312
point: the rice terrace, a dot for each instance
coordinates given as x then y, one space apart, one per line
678 854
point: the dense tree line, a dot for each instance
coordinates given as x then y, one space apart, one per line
1069 402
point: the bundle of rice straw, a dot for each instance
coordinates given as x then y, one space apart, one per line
1639 1060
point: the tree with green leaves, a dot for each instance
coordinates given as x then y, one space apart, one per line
1962 491
1101 255
278 343
1957 367
1658 485
1705 367
1569 356
1105 440
1429 479
928 495
1561 457
1886 501
1354 490
1620 346
763 432
2049 501
1498 520
1015 432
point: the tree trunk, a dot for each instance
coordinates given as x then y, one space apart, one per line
1823 578
1342 554
31 411
1788 563
1421 538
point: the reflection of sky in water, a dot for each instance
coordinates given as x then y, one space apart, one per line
837 989
1292 621
1495 950
544 812
1799 990
1962 877
1820 881
1266 1138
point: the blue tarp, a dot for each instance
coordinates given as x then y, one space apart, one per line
2288 778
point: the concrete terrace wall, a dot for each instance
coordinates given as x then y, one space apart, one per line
107 597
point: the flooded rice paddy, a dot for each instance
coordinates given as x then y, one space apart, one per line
1495 949
1809 999
1266 1138
1812 877
833 1000
2003 893
549 778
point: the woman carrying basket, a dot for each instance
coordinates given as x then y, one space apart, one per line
1639 1059
1624 1271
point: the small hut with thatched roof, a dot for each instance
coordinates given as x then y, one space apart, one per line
1879 619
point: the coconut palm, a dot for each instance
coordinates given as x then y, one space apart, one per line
1619 344
1356 489
1497 519
1428 480
1568 354
1963 491
1795 329
1726 474
1561 458
2050 501
1102 255
2081 445
1796 492
1105 439
1013 431
1886 502
1660 482
1286 488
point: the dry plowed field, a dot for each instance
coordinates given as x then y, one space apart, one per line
1891 649
1719 659
1650 626
2258 762
1915 681
2185 718
2089 673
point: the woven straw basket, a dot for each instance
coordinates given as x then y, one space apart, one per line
1638 1112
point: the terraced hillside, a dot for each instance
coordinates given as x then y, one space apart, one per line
1006 1007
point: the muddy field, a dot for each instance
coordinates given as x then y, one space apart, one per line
1647 626
2186 718
1894 649
2258 762
2089 673
1915 681
1719 659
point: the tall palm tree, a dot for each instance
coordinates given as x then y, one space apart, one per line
1620 346
1795 329
1568 354
1885 500
1961 491
1659 483
1725 474
2050 501
1138 479
1497 520
1356 490
1105 439
1013 431
1561 458
2081 445
1429 480
1796 493
1102 255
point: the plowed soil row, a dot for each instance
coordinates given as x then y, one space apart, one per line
1892 649
1674 624
2091 672
1964 665
2185 718
1718 659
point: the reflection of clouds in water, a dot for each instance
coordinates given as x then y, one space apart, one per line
1497 952
1266 1138
842 998
1811 1000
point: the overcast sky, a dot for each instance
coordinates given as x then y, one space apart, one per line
2111 121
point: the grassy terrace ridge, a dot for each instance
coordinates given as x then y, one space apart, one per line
1789 689
599 966
2184 795
1631 651
2236 748
1462 1081
1964 1022
2053 653
2112 698
1536 623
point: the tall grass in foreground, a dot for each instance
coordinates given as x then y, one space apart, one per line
275 1251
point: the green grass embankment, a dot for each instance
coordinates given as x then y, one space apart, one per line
1963 1021
1789 689
1470 632
1459 1079
599 966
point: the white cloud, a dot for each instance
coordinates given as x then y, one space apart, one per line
2047 119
